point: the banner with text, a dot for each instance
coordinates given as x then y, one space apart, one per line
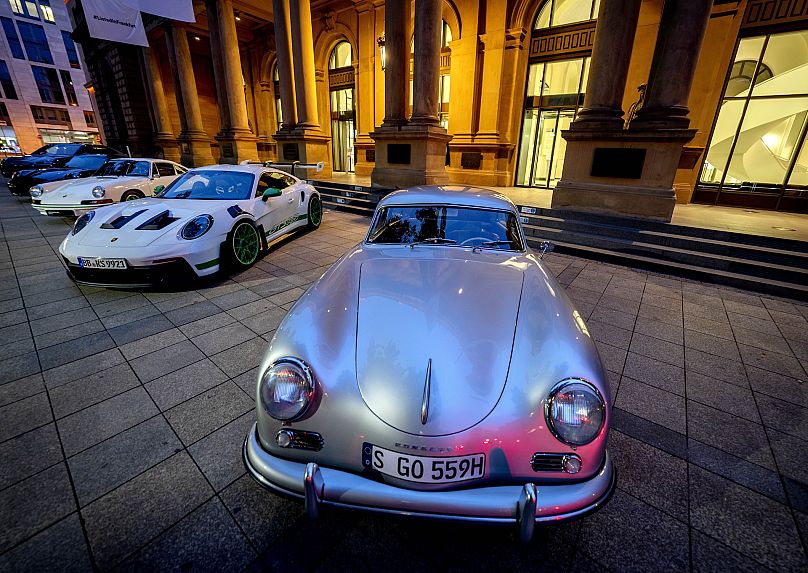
114 20
182 10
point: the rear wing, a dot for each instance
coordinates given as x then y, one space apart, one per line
290 167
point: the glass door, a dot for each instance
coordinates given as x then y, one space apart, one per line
343 132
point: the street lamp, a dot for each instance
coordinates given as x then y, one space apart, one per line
380 41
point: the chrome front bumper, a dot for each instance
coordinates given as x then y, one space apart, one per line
494 504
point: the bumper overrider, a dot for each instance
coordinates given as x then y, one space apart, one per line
523 505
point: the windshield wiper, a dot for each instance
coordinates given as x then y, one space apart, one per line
490 244
432 241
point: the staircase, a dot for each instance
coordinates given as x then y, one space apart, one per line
763 264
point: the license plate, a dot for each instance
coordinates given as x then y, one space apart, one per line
102 263
423 469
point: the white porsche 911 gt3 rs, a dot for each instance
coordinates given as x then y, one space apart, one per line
116 180
209 217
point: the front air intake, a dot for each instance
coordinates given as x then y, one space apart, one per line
541 462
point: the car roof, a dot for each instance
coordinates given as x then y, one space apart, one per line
140 159
449 195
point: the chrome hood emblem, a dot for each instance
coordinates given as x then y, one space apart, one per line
427 389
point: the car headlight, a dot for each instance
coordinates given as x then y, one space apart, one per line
287 388
196 227
82 221
575 412
36 191
98 192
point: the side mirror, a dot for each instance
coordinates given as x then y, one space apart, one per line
269 193
159 188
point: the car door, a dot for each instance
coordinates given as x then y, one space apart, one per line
273 212
162 174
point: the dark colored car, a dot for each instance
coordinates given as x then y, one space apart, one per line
53 155
77 167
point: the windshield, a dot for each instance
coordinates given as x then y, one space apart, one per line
446 225
121 167
86 161
211 184
58 149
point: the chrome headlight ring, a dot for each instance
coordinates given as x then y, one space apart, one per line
284 399
98 192
36 191
553 406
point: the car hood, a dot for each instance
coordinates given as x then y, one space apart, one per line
122 220
85 186
423 314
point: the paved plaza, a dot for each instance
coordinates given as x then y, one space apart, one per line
122 416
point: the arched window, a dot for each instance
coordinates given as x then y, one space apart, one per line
445 35
276 89
341 56
444 83
740 77
561 12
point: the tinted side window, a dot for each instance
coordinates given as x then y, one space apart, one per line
164 169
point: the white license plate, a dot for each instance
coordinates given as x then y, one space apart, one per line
423 469
102 263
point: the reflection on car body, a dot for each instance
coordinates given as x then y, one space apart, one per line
438 370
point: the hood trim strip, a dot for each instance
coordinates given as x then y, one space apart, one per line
427 391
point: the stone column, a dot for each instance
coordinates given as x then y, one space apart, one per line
236 140
426 62
163 131
396 55
681 32
611 54
194 142
303 63
283 44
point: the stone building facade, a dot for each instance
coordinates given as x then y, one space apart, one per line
623 106
43 98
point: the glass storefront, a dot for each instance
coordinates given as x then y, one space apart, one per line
555 91
67 136
553 95
343 126
757 153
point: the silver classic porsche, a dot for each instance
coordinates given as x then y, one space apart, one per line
438 370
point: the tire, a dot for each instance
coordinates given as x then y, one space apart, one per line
243 244
315 211
131 195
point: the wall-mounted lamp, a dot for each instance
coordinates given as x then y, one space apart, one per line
197 38
380 41
238 16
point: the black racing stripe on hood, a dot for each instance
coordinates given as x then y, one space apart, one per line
120 221
158 222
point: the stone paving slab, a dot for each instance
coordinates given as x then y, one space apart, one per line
122 415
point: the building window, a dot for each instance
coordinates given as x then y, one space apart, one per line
70 92
757 155
50 115
276 88
70 48
4 113
36 43
5 81
47 11
561 12
89 118
47 82
16 7
555 91
341 87
13 39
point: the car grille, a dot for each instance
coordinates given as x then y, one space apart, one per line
133 276
547 462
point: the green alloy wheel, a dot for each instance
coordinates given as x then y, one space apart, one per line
315 212
245 243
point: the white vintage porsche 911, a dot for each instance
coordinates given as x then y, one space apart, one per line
437 369
116 180
214 216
